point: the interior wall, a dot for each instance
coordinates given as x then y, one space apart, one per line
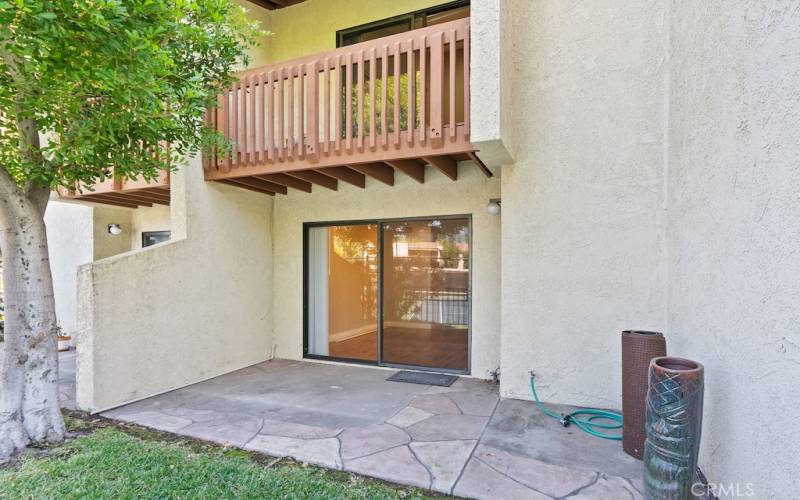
349 312
163 317
437 196
69 241
734 229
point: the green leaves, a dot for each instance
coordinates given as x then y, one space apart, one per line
111 83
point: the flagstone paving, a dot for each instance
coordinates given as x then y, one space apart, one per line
462 440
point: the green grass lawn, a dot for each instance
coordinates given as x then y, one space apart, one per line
110 463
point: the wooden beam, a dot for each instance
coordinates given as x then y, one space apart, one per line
345 174
154 194
411 168
445 164
481 165
97 198
316 178
261 184
286 180
269 4
124 198
142 198
378 171
232 182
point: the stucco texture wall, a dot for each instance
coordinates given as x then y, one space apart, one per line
145 219
311 26
69 241
104 243
582 236
199 306
437 196
734 231
655 186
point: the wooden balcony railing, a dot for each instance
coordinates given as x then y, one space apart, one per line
395 103
130 193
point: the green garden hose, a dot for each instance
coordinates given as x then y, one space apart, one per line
589 425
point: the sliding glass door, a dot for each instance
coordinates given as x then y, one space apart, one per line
394 292
426 293
342 291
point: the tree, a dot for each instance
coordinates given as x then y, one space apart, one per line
89 89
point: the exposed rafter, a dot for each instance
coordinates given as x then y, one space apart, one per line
316 178
275 4
345 174
411 168
378 171
445 164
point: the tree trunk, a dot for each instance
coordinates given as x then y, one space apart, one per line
29 405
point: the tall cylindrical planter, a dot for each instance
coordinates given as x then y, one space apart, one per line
674 419
638 348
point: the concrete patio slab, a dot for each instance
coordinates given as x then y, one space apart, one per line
323 452
398 465
461 440
444 460
362 441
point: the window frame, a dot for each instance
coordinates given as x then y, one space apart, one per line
145 234
414 19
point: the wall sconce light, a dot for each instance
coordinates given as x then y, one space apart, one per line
493 208
114 229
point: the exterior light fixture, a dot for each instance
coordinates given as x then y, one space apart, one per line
493 208
114 229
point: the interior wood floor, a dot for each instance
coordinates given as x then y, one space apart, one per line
440 347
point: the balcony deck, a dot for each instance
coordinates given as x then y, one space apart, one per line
128 193
399 103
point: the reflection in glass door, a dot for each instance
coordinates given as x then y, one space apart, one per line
426 293
342 291
422 316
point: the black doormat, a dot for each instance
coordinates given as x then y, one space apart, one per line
423 378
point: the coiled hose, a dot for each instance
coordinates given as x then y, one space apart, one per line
590 425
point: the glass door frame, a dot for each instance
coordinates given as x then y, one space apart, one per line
379 306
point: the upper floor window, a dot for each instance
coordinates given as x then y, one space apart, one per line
404 22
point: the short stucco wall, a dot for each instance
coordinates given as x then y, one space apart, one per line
198 306
437 196
69 241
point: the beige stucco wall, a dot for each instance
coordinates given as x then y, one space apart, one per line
491 104
69 240
198 306
582 205
734 231
77 233
655 186
145 219
437 196
107 244
259 54
311 26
